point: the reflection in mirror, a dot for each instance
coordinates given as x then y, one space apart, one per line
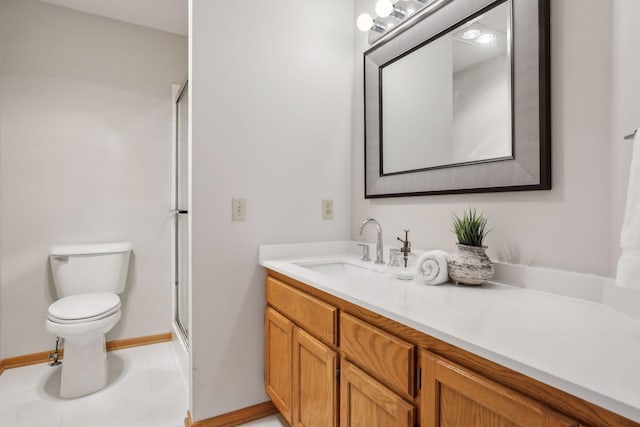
449 101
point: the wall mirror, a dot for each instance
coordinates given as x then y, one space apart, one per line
457 101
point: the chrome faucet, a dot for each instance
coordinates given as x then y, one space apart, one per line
379 242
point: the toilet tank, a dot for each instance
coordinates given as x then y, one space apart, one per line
90 268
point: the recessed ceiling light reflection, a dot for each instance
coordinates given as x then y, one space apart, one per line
486 38
471 34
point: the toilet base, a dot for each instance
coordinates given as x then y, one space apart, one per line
84 367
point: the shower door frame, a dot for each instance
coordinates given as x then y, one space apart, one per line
179 328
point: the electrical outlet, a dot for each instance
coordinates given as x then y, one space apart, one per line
238 209
327 208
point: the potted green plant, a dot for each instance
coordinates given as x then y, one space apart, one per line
470 265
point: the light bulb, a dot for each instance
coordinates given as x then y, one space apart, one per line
364 22
471 34
486 38
384 8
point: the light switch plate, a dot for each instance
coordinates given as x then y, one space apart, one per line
327 208
238 209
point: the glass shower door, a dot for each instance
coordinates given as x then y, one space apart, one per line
181 279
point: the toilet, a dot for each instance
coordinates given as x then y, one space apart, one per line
88 279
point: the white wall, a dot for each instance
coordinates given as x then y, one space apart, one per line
271 97
567 227
85 138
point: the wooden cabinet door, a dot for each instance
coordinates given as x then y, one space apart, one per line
315 388
278 332
364 402
452 396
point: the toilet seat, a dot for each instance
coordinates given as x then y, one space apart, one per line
83 308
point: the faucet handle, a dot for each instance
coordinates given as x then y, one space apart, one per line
406 247
365 252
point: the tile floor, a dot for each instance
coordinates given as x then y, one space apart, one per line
272 421
146 389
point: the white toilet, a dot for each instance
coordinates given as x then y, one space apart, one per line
88 279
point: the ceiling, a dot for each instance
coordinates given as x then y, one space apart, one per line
163 15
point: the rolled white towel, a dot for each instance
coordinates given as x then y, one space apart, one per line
431 268
628 274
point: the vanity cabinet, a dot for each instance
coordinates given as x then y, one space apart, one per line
301 363
391 375
454 396
301 371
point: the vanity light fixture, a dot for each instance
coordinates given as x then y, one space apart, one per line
365 23
399 12
389 8
384 8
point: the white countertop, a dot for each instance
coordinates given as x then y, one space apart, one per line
584 348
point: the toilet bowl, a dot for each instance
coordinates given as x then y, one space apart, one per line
83 320
88 279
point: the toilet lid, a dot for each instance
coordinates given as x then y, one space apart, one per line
83 307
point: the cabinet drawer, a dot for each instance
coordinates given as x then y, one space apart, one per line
316 317
388 359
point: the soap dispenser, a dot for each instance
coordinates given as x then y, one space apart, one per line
399 259
406 247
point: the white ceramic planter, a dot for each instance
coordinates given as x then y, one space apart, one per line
470 265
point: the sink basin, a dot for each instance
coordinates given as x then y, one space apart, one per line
339 268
